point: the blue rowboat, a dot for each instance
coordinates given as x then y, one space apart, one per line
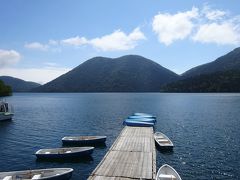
142 116
150 120
84 140
64 152
138 123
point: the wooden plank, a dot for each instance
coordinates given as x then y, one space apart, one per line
139 144
127 164
132 156
154 166
108 178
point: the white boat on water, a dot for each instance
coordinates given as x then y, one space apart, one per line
40 174
6 111
163 141
167 172
70 152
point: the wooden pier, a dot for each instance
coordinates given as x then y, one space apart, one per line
132 156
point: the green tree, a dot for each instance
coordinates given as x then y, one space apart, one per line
4 89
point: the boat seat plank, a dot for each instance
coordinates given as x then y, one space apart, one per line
8 178
37 176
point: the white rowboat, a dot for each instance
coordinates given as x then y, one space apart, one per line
40 174
163 141
167 172
64 152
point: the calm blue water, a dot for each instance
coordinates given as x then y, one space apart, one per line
205 129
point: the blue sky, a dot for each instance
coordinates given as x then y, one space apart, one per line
40 40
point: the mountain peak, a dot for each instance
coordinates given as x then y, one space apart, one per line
19 85
130 73
230 61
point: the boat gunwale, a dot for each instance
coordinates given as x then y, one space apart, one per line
39 171
170 167
170 144
75 138
64 150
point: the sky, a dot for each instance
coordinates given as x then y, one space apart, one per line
41 40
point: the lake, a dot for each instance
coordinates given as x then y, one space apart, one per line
205 129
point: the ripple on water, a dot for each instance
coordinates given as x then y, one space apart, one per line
203 127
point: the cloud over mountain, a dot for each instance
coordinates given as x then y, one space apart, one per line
116 41
8 57
171 27
206 25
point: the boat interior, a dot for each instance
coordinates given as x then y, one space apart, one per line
27 175
62 150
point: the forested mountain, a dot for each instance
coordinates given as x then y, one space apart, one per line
4 89
230 61
129 73
19 85
225 81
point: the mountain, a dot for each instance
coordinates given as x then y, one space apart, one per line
129 73
19 85
225 81
230 61
4 89
221 75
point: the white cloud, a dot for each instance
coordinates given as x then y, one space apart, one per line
8 57
224 33
118 40
213 14
75 41
206 25
115 41
39 75
53 42
170 27
36 46
216 14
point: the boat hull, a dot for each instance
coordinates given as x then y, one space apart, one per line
85 153
141 116
62 177
96 141
167 172
49 174
138 123
166 143
149 120
5 116
164 148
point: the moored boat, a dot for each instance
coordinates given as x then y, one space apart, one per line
163 141
138 123
65 152
40 174
84 140
167 172
142 120
6 111
141 116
